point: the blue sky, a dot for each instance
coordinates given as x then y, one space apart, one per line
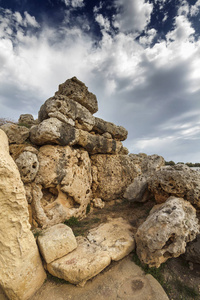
140 58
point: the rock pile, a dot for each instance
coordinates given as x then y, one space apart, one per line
69 159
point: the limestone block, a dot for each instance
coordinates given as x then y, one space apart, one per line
111 175
27 119
114 237
77 91
53 131
137 191
178 181
117 132
67 111
63 184
167 230
98 144
56 242
16 134
22 272
86 261
28 166
148 164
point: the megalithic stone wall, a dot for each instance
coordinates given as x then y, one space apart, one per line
21 270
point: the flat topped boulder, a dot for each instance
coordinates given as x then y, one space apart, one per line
77 91
82 264
110 241
115 237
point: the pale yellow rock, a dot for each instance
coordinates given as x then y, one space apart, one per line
22 272
56 241
115 237
111 175
62 186
82 264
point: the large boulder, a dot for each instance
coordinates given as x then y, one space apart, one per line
21 268
86 261
109 241
56 242
77 91
117 132
67 111
115 237
166 231
137 191
147 164
16 134
53 131
111 175
178 181
62 187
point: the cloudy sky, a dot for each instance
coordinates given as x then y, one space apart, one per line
141 59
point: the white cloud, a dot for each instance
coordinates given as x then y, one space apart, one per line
74 3
103 22
183 30
29 20
134 15
184 8
142 88
147 39
194 10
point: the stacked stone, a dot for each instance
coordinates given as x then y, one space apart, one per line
67 119
72 159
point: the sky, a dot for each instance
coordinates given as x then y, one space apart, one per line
140 58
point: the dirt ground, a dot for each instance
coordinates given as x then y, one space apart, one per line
179 279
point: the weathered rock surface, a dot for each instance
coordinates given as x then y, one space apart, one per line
56 242
77 91
111 175
27 119
62 186
138 190
82 264
98 144
16 134
22 272
67 111
193 251
125 280
53 131
116 132
178 181
28 166
110 241
166 231
147 164
115 237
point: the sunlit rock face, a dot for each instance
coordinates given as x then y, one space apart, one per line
21 268
167 230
